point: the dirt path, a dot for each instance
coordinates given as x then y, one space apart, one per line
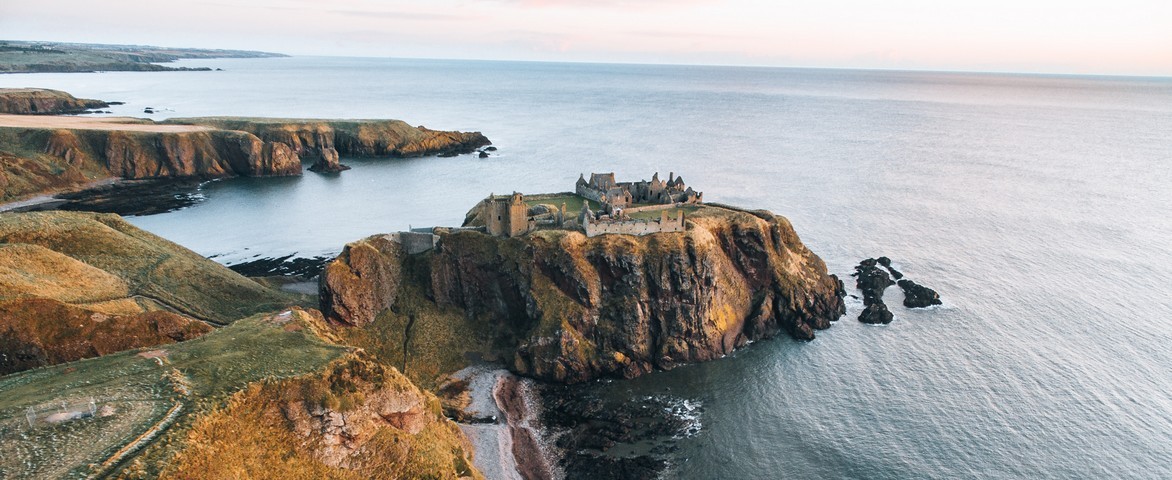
91 123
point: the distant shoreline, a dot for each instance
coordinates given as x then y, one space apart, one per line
55 57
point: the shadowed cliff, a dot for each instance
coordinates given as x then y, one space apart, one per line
560 306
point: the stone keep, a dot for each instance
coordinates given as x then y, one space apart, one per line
506 215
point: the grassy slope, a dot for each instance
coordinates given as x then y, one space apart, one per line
142 390
154 270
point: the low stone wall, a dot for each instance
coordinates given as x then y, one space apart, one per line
414 242
652 208
634 227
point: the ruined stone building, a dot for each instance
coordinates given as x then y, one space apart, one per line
594 225
613 195
506 215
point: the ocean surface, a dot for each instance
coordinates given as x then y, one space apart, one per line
1040 207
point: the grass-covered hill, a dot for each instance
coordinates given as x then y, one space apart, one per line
79 285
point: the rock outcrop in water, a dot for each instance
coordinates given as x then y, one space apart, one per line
873 280
43 101
570 308
918 296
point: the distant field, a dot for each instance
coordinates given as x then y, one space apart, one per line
33 57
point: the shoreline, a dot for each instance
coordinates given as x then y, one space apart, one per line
49 200
507 446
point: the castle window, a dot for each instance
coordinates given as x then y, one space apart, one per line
498 217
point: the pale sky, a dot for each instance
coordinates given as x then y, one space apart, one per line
1129 37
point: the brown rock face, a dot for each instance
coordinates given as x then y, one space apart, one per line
325 140
41 101
203 154
358 419
36 332
576 308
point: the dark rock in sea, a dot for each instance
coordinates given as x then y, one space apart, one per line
886 262
328 162
587 427
876 312
604 467
918 296
895 273
128 198
148 110
490 149
871 280
307 267
483 154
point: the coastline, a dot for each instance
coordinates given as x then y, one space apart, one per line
507 441
49 200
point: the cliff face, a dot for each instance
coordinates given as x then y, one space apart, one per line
325 140
198 154
358 419
41 101
44 159
36 157
571 308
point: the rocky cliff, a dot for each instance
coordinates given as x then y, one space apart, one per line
37 160
358 419
42 101
564 307
39 157
325 140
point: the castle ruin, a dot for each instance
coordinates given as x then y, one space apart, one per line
613 195
506 215
510 216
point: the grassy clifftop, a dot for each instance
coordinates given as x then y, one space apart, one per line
43 101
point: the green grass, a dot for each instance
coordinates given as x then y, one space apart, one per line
573 202
141 391
154 268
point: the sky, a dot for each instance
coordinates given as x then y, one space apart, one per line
1122 37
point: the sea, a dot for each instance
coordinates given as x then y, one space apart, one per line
1038 206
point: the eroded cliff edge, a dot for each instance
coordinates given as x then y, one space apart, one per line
43 101
560 306
326 140
50 154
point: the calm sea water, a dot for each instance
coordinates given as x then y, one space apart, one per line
1040 207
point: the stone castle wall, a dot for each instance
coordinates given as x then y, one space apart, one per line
414 242
635 227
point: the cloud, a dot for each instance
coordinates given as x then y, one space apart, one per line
603 4
416 16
